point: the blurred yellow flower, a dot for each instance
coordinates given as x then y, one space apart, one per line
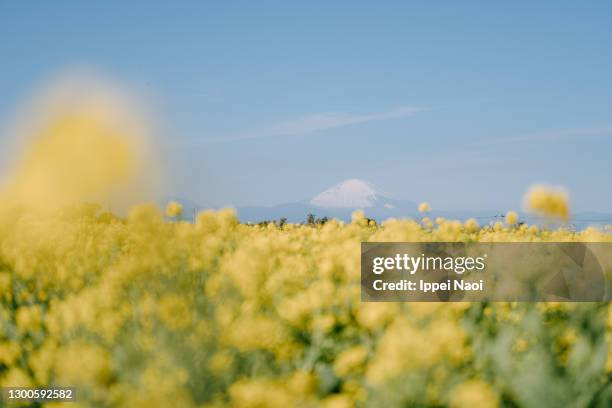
350 360
473 393
338 401
9 352
511 217
174 209
548 201
258 393
29 318
358 217
16 377
471 225
174 312
424 207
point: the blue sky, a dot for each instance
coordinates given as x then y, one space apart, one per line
462 104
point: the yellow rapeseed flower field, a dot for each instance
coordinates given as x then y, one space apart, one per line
144 312
141 311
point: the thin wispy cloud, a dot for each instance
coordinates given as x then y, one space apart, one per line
316 122
547 136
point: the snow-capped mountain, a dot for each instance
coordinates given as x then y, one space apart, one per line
352 193
338 201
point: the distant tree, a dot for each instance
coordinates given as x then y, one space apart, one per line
310 219
322 221
282 222
265 223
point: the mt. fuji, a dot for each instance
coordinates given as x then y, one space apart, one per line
352 193
338 201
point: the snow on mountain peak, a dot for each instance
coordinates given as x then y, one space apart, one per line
352 193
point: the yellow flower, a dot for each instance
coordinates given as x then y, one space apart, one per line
83 143
350 360
405 347
511 217
5 286
302 382
16 377
548 201
250 333
174 312
374 316
80 363
424 207
338 401
323 322
220 361
256 393
9 352
358 217
174 209
471 225
473 393
29 318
